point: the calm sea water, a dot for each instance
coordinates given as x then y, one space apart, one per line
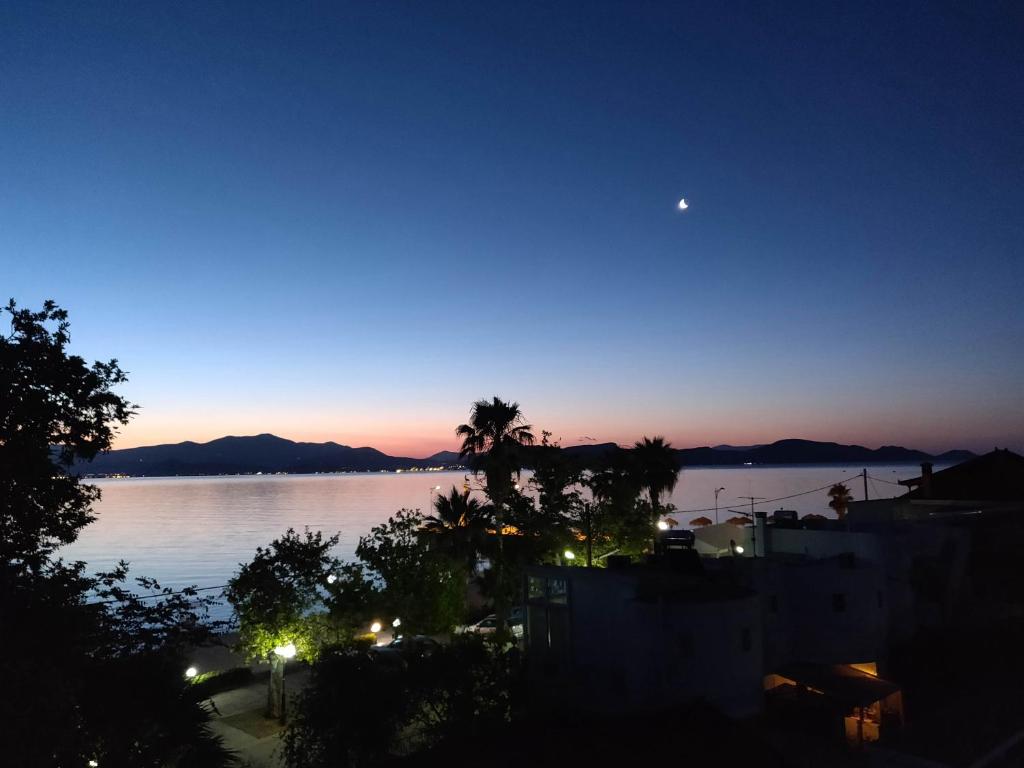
196 530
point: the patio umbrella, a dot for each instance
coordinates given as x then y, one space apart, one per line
813 516
700 522
738 520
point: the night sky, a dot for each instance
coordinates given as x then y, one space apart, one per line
348 221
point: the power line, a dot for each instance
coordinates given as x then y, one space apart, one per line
768 501
155 595
882 480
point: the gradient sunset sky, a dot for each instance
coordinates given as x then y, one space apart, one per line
348 221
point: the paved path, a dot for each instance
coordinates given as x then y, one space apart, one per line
239 719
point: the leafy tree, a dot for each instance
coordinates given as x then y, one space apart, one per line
353 599
657 471
274 596
56 411
91 670
424 588
839 499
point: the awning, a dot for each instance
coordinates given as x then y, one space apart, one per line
840 682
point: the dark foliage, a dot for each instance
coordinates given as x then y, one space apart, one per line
90 671
358 710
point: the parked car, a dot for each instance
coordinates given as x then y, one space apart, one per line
404 647
489 625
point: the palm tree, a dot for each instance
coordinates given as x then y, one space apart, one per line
840 497
657 470
458 521
493 441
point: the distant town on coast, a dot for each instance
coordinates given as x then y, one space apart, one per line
270 454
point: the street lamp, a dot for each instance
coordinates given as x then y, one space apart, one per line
286 651
569 554
430 498
191 672
375 627
717 491
662 525
275 695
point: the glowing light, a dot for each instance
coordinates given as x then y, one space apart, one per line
375 627
683 205
191 672
286 651
662 525
331 578
569 554
93 764
437 487
738 549
396 623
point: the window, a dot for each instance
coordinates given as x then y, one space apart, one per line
746 639
558 591
839 602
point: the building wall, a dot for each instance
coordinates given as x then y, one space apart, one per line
628 655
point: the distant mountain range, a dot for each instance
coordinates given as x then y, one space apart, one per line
269 454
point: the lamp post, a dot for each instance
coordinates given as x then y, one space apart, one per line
276 697
717 491
430 499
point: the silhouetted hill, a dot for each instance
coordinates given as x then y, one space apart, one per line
811 452
269 453
258 453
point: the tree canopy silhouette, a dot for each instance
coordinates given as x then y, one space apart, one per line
90 670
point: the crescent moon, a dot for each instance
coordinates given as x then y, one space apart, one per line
683 205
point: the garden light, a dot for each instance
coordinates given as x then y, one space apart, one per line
375 627
662 525
191 672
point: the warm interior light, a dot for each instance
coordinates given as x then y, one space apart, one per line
191 672
375 627
286 651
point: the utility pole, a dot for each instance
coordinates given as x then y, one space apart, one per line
717 491
865 474
753 520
